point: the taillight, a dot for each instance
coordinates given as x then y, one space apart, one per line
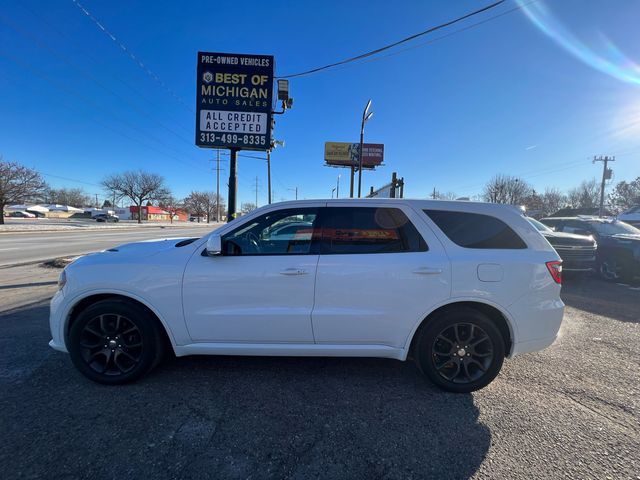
555 269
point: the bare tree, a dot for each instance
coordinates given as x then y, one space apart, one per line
443 195
247 207
18 184
533 201
76 197
625 195
553 200
211 200
585 195
138 186
196 204
171 205
506 189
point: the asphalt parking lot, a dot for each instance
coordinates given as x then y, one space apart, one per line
571 411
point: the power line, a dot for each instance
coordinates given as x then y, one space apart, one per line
43 46
90 54
73 93
450 34
395 44
70 179
131 55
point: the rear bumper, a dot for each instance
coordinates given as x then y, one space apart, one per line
532 345
538 322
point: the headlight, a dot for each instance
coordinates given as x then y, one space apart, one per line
62 280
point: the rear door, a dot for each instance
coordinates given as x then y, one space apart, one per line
380 271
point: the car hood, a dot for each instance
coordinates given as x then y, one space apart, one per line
150 247
561 238
626 237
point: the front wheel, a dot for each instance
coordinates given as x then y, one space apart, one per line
460 350
114 342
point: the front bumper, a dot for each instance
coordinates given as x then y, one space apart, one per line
56 322
577 259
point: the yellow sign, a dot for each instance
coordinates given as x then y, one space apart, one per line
341 153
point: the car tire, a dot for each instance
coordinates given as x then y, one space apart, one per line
460 350
608 269
115 341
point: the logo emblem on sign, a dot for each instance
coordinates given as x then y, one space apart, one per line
207 77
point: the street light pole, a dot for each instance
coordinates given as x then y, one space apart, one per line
338 188
366 115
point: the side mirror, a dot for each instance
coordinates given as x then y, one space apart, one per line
214 245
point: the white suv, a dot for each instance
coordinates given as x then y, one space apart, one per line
456 286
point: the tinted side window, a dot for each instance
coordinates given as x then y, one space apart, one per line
283 232
369 230
474 230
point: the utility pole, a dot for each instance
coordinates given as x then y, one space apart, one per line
268 177
394 182
256 191
294 190
217 185
606 174
233 183
338 187
352 175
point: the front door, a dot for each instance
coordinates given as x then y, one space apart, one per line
260 290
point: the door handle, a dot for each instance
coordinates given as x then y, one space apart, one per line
427 271
293 271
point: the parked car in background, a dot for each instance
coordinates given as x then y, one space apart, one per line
455 286
22 215
578 252
106 217
618 254
631 216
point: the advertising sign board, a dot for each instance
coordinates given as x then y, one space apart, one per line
234 101
341 154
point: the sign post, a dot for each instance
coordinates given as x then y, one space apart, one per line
234 100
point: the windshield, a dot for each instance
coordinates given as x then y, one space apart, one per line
614 228
540 226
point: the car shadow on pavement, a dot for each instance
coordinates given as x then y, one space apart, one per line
229 417
601 297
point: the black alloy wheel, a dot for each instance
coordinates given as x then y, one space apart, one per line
111 344
462 353
114 341
609 269
460 350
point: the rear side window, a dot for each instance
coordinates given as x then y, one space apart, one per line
369 230
474 230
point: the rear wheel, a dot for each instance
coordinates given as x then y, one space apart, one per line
114 342
460 350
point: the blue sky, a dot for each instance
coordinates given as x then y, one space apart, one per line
536 92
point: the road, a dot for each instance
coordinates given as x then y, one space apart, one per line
16 248
571 411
